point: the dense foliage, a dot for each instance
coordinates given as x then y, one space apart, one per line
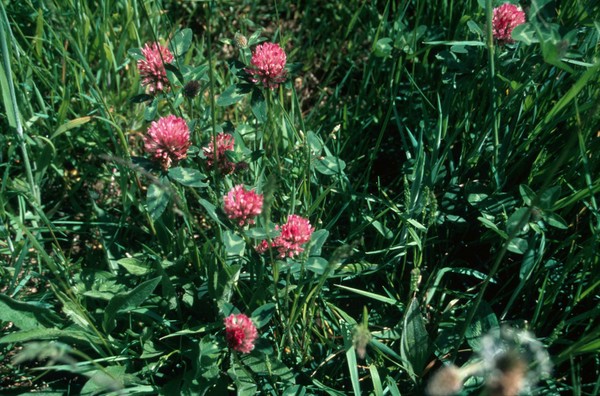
299 197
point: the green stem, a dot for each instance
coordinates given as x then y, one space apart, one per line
492 73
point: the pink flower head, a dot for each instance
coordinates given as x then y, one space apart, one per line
506 18
152 69
240 332
242 205
168 140
262 247
225 143
295 233
268 65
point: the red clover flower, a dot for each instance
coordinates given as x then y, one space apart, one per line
168 140
225 142
242 205
268 65
262 247
506 18
240 333
295 233
152 69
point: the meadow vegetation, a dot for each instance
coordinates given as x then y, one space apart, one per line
408 207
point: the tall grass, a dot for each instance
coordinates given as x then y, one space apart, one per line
452 182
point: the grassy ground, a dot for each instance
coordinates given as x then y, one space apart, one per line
452 182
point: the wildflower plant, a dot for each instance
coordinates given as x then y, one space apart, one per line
216 153
242 205
240 332
200 161
168 140
505 19
268 65
152 67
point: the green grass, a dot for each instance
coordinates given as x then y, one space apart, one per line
452 182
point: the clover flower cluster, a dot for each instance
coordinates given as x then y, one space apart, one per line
268 65
168 140
217 158
240 333
242 205
152 68
293 235
505 19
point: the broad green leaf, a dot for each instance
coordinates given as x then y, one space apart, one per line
181 42
392 386
317 240
109 379
529 197
123 302
258 105
263 314
195 73
244 383
25 315
517 245
261 233
318 265
234 244
549 197
269 365
188 177
134 266
474 28
553 52
211 210
150 112
157 200
525 33
315 143
487 223
173 70
414 344
485 320
554 220
383 47
75 312
517 222
150 350
136 54
528 262
330 165
233 94
221 285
